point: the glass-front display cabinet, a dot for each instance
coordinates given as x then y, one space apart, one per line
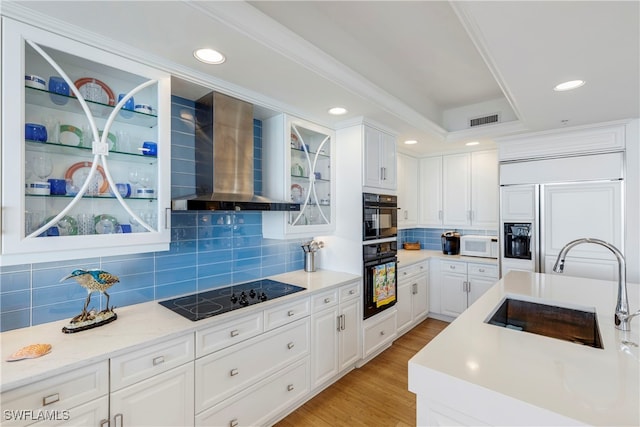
299 167
85 150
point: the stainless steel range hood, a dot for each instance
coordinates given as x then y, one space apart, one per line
224 159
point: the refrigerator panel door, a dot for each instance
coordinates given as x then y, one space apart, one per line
577 210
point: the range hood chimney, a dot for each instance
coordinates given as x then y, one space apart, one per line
224 159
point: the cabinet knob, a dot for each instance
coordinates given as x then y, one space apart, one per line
481 270
233 372
290 387
52 398
453 267
327 300
381 333
290 313
234 333
158 360
290 345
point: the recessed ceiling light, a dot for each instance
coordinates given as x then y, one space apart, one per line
411 142
209 56
469 144
573 84
337 111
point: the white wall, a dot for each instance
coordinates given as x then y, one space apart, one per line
343 250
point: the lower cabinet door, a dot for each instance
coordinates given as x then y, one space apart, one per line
263 401
350 334
163 400
325 325
453 295
421 297
404 304
90 414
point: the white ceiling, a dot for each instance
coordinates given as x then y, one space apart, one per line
419 68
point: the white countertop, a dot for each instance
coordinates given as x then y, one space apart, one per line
137 325
408 257
592 386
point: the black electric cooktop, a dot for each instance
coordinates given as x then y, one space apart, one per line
217 301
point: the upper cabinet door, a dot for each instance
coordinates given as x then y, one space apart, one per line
484 189
379 159
298 165
456 191
81 175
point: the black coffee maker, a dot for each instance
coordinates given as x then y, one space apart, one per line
450 243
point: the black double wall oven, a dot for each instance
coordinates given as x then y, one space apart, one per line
379 252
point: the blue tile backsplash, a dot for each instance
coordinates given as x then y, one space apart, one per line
429 238
208 250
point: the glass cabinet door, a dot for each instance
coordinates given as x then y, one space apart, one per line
310 176
84 147
298 166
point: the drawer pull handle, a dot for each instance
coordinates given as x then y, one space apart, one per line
233 423
290 387
52 398
121 418
290 345
235 333
104 422
352 291
290 313
453 267
158 360
233 372
481 270
327 300
381 333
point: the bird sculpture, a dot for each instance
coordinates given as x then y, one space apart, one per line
92 280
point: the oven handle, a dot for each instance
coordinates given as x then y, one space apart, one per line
380 261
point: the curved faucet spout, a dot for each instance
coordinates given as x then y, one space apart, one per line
622 317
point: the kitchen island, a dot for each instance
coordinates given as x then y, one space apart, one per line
475 373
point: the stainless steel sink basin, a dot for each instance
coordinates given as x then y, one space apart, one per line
563 323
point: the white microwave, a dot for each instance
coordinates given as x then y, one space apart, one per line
481 246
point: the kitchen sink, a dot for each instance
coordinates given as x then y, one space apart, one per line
569 324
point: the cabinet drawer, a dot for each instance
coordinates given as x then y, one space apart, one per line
324 300
453 267
483 270
351 291
262 401
220 336
62 392
286 313
379 333
149 361
412 270
226 372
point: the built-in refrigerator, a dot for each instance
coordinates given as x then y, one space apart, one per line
546 203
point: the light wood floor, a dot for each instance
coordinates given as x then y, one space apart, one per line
375 395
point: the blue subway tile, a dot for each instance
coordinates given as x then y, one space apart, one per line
15 281
11 301
14 319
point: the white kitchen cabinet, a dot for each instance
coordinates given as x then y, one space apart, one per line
460 190
485 189
456 192
154 385
261 403
83 392
430 191
162 400
518 203
83 217
299 166
413 299
379 332
335 332
462 283
379 159
407 191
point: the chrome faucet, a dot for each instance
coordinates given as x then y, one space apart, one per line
622 317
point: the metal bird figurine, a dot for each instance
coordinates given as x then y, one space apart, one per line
92 280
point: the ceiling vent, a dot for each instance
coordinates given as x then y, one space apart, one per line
484 120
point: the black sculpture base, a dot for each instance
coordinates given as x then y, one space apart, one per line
93 320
